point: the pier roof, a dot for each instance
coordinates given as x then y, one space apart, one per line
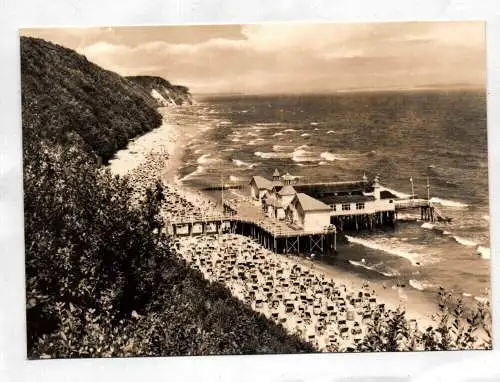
287 190
318 190
310 204
347 199
262 183
386 194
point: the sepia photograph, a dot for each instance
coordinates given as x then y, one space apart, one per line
271 188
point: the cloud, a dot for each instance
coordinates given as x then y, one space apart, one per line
291 57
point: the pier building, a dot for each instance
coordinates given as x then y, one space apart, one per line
351 205
287 216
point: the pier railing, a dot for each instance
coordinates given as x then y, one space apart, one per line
277 229
412 203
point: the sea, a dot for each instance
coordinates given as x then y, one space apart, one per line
433 136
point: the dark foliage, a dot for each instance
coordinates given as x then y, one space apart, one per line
63 92
455 329
99 277
100 281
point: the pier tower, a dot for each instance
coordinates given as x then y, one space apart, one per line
376 187
276 175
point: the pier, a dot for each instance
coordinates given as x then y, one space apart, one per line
243 218
428 212
225 187
302 218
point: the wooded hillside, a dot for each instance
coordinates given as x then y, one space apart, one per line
100 280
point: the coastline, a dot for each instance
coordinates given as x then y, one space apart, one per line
166 143
159 153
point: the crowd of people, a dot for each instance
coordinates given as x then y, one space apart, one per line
294 295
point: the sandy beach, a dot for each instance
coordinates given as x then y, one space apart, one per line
324 305
161 148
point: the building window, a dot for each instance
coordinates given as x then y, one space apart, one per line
346 207
360 206
334 207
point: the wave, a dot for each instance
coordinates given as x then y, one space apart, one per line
448 203
304 156
228 149
199 170
420 285
331 157
268 124
305 135
225 123
204 129
486 217
273 155
203 159
322 163
399 194
289 130
302 147
466 294
314 123
241 163
484 252
233 178
465 242
330 132
405 217
413 258
280 147
362 265
277 134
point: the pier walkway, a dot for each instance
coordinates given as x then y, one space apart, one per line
244 218
428 211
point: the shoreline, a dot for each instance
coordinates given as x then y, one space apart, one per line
165 143
158 155
160 152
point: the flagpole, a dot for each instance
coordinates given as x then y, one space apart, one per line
412 190
428 190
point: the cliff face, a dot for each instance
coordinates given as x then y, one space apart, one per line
65 97
163 92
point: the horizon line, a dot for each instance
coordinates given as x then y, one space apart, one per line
348 90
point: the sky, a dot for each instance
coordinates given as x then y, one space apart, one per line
289 57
